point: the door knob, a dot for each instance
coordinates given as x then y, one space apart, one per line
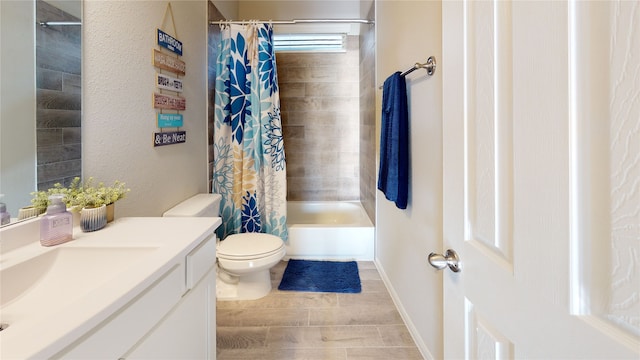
450 259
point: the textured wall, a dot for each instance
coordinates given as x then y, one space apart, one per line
213 41
118 117
319 94
58 94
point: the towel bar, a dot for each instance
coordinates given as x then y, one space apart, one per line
430 66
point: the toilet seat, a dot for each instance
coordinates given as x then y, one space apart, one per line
249 246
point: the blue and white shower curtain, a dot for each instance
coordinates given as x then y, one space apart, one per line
249 167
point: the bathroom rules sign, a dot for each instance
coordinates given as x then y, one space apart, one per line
169 138
169 42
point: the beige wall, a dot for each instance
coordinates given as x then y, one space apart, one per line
410 32
118 117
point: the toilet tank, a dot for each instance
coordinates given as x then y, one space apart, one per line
201 205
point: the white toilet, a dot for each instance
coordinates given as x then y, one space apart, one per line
244 259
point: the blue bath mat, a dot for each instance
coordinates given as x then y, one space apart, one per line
321 276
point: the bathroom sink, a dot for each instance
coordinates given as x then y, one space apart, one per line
60 275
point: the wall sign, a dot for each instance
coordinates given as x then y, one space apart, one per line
169 120
170 63
168 83
164 101
169 42
169 138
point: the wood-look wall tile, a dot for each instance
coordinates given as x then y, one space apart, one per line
49 80
58 170
48 137
53 154
56 118
48 99
72 83
332 89
72 135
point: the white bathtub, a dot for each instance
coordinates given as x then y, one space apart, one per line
329 230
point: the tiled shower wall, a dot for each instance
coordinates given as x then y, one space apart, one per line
368 118
319 95
328 104
58 97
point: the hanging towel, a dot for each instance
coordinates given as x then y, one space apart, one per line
393 174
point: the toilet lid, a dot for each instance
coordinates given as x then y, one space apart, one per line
249 245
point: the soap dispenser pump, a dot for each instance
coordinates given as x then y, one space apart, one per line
56 226
5 218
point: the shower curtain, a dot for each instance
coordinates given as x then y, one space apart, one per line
249 167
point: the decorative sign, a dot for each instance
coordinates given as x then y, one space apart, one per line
169 42
163 101
169 138
166 62
170 120
168 83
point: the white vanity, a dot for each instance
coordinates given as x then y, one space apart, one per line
139 288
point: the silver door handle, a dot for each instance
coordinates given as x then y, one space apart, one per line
450 259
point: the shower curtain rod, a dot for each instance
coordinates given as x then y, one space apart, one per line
58 23
295 21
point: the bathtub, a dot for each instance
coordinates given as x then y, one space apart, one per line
328 230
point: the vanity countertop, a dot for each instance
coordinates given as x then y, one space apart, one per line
98 274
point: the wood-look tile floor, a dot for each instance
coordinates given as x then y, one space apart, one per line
295 325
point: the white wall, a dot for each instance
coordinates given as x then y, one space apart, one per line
410 32
303 9
118 116
228 8
17 104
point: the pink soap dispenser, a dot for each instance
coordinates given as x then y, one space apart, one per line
56 226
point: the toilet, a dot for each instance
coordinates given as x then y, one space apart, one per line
243 260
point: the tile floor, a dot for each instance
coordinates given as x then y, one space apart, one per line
295 325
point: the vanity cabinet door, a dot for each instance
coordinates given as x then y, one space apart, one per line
188 331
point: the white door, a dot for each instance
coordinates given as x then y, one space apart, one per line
541 134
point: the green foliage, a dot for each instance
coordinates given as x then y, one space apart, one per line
79 195
40 199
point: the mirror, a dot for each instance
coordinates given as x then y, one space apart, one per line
40 97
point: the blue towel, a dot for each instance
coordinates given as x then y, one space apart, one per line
393 175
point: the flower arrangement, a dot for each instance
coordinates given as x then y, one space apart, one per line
80 195
40 199
95 196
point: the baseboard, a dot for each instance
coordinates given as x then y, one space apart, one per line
422 347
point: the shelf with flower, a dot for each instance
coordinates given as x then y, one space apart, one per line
91 196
